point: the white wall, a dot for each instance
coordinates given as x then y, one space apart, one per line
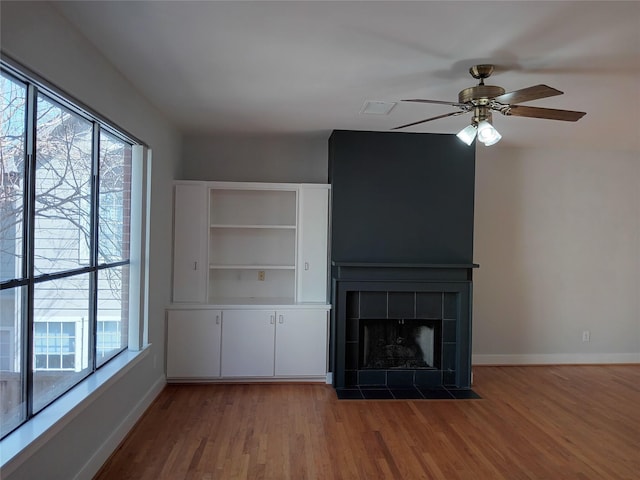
256 158
35 35
557 237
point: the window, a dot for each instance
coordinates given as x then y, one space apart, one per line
66 182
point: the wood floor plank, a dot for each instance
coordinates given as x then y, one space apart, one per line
573 422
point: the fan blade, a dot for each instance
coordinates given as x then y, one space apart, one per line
527 94
429 119
440 102
548 113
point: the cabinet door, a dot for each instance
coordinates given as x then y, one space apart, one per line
301 342
190 266
248 343
312 244
193 344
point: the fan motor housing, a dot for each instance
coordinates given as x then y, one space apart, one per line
480 94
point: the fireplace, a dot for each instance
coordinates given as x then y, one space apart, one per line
399 325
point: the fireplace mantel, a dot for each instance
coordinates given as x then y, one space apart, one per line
355 271
404 265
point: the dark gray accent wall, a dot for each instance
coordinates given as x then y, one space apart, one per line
401 198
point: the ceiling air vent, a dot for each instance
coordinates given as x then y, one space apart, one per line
377 108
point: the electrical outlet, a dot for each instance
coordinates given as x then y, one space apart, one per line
586 336
261 275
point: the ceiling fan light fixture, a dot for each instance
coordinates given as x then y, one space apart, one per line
467 134
487 134
481 100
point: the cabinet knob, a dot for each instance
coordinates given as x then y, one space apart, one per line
272 319
217 319
195 265
281 319
306 265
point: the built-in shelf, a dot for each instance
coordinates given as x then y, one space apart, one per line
253 205
271 227
227 302
250 240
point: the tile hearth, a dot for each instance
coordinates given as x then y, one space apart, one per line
405 393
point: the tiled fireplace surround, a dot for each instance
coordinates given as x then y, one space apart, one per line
435 294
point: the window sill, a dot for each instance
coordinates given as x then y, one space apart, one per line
23 442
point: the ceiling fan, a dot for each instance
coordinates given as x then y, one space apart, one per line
481 100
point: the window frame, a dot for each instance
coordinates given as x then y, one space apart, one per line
135 263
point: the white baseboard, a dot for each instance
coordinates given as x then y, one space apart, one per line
555 359
280 379
101 455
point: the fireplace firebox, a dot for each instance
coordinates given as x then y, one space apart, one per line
399 344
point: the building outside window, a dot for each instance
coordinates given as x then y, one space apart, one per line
65 233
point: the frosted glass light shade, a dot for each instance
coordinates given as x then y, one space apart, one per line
467 134
487 134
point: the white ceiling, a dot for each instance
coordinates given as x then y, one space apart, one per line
302 67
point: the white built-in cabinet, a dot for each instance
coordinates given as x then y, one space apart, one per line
313 241
249 345
281 343
190 267
193 343
250 265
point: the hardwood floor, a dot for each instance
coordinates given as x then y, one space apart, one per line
548 422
